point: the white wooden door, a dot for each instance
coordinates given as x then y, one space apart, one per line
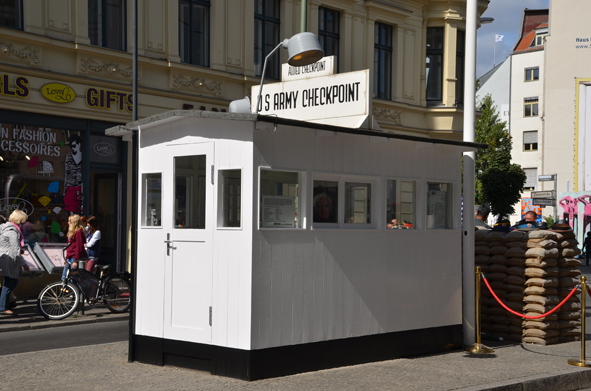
187 219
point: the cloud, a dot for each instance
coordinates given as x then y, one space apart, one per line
507 15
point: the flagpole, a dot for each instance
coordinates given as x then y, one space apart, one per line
495 52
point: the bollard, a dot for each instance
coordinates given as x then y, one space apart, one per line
582 362
478 348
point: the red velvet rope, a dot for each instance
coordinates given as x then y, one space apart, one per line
588 290
531 317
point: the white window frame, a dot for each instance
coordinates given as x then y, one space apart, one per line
302 202
416 223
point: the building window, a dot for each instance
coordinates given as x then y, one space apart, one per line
194 32
532 178
266 37
106 23
357 203
230 198
382 61
434 64
280 199
439 206
329 32
11 14
460 50
532 74
530 107
400 204
152 200
530 141
539 41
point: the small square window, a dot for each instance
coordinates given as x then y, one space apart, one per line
530 107
531 178
280 199
229 201
357 203
439 206
152 200
326 201
400 204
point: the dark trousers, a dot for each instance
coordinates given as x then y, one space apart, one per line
7 287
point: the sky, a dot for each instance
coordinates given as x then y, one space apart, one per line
507 16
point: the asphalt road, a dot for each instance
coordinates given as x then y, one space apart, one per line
62 337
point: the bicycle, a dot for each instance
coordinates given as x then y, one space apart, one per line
60 299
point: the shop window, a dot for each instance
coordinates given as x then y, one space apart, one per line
530 107
530 141
105 149
266 37
106 23
229 198
194 32
532 74
531 180
11 14
382 61
434 66
280 199
400 204
357 203
439 205
326 201
189 192
329 32
152 200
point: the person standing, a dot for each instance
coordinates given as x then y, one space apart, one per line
93 243
587 247
76 240
12 245
481 217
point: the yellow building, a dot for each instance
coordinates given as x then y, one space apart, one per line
66 72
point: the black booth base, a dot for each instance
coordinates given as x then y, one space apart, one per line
289 360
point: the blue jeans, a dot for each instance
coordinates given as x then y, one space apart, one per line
7 287
69 261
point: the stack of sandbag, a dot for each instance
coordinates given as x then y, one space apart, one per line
541 293
569 317
497 273
481 258
516 243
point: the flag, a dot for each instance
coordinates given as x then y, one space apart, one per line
498 37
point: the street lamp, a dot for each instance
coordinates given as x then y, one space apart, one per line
303 49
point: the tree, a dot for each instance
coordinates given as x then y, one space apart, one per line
498 181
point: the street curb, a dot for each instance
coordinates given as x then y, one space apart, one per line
566 380
64 322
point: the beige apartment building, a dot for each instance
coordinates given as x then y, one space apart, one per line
66 75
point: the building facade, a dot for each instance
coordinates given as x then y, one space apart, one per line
66 75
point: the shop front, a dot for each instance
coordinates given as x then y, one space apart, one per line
54 166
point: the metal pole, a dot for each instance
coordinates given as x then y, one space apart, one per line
478 347
555 198
134 62
468 304
304 17
582 362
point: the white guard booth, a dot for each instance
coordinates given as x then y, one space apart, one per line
265 246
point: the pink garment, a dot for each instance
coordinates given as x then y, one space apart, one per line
20 235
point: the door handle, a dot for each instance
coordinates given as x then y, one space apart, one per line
168 244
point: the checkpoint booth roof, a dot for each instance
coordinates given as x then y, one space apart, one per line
264 244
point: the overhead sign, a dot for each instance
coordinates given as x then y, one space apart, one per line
341 99
543 201
323 67
543 194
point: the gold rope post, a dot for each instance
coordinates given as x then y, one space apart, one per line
478 348
582 362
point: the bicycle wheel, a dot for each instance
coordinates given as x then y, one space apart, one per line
117 294
57 301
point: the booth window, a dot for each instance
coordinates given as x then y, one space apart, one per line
357 203
229 198
152 200
189 192
106 23
439 205
326 201
280 199
400 204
